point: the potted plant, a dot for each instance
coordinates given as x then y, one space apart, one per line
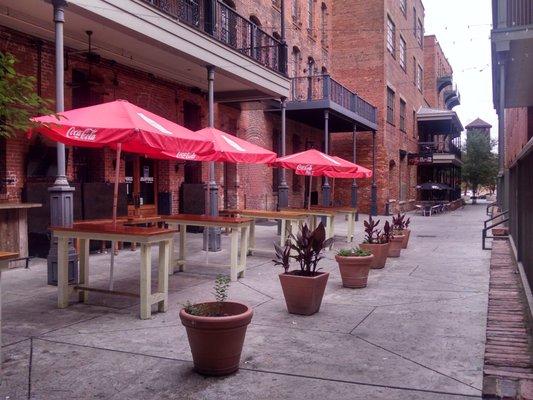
354 265
395 238
216 331
376 242
303 288
402 223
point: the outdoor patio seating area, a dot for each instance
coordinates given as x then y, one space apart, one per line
415 332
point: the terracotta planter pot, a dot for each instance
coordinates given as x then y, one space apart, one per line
380 252
396 246
406 234
303 294
216 342
354 270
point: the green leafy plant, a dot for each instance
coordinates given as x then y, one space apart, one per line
19 100
308 248
220 291
354 252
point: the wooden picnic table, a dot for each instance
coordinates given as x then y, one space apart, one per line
351 213
5 258
84 232
240 228
314 213
288 219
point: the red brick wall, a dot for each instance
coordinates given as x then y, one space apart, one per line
435 65
518 131
363 64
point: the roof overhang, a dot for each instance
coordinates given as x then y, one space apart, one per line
439 121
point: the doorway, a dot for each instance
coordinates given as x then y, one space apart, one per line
141 185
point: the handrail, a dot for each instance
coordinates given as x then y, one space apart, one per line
486 228
494 217
324 87
228 27
494 203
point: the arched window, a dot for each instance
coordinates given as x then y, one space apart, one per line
324 70
310 15
296 62
294 10
228 23
324 24
256 38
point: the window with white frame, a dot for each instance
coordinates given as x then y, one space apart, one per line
391 36
403 53
402 114
390 105
419 32
403 6
310 15
419 74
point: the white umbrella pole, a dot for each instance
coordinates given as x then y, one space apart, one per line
309 194
207 204
115 203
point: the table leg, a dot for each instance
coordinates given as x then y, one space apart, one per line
162 277
330 230
251 246
283 232
83 246
352 227
234 253
146 280
62 272
245 232
182 254
171 257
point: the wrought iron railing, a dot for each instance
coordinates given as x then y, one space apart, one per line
228 27
323 87
439 147
519 13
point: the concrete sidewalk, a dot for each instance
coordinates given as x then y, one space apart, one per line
416 332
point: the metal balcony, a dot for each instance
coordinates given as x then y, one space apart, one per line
444 81
452 98
310 94
225 25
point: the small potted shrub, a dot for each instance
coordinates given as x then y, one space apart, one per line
216 331
400 226
354 265
396 239
376 242
303 288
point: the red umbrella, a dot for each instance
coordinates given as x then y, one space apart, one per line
361 172
314 163
230 148
121 123
123 126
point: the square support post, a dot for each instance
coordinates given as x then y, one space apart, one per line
374 189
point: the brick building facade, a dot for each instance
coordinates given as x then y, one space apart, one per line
324 50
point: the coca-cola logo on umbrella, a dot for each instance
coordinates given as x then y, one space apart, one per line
85 134
186 155
307 169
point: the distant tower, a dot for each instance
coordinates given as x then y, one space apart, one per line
478 125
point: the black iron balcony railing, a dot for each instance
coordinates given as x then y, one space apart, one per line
323 87
228 27
519 13
439 147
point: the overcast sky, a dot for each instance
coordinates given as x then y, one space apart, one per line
463 29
